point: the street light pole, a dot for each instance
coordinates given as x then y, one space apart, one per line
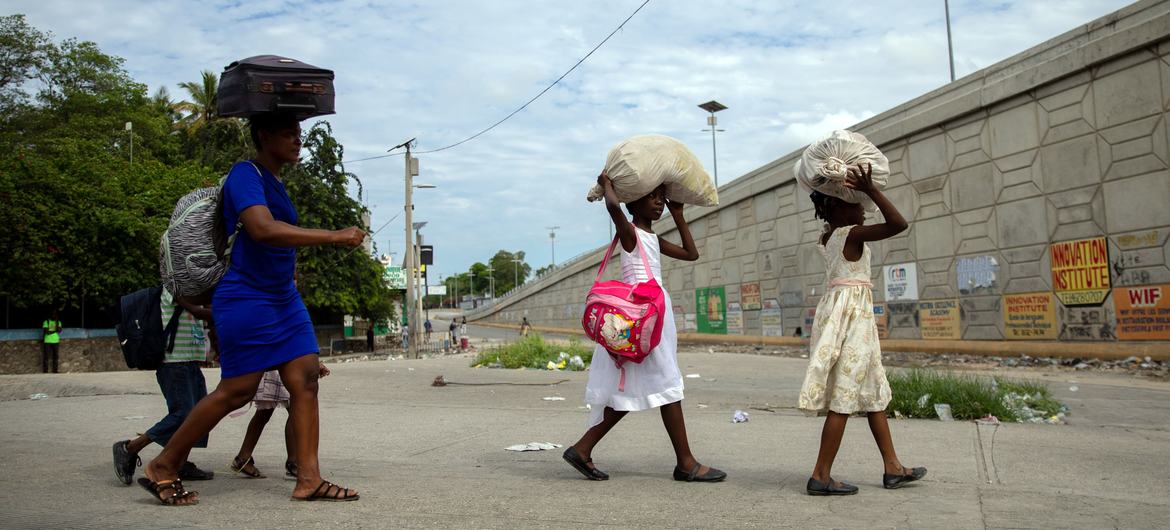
552 239
492 281
408 307
713 107
950 47
516 272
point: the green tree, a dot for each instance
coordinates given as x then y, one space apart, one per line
509 270
334 281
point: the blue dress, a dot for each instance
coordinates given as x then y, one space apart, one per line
259 315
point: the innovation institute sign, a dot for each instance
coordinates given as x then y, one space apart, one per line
1080 271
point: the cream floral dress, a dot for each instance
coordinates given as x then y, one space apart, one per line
845 373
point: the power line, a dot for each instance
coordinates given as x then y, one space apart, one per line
527 103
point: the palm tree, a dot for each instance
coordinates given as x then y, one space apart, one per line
201 108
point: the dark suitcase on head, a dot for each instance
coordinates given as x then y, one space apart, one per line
270 83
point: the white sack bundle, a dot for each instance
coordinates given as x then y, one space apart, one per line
642 163
825 163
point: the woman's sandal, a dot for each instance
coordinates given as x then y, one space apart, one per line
332 492
893 482
290 469
242 467
179 495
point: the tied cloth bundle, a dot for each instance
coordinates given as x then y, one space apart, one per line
825 164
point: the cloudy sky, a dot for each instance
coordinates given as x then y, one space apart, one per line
442 70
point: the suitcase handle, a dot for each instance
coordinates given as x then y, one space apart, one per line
268 87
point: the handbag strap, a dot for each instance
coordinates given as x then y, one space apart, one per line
609 255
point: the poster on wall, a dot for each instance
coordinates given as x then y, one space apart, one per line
711 306
1090 323
749 295
939 319
901 281
1080 271
976 274
881 319
689 322
1143 313
1029 316
734 318
771 319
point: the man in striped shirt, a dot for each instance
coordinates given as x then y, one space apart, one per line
182 384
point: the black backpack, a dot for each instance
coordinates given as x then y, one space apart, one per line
145 342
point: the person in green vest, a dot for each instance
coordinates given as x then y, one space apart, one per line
51 341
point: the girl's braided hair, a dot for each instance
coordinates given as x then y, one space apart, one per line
822 206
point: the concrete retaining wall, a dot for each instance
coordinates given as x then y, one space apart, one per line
1064 142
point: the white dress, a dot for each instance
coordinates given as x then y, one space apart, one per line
845 373
657 380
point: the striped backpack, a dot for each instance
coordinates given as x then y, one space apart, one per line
195 250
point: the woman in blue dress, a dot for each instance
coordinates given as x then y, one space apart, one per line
259 316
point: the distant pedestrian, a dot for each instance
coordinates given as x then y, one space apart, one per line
428 328
182 384
845 373
452 331
463 328
525 327
370 338
611 392
50 342
405 331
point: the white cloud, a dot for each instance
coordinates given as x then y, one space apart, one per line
789 71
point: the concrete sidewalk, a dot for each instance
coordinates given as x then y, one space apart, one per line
427 457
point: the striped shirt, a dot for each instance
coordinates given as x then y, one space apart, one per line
191 342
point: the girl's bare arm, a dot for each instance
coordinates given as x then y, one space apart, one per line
861 180
625 229
688 251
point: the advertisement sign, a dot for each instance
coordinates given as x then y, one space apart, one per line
939 319
1080 271
1029 316
881 319
436 290
749 294
979 272
770 318
901 281
711 306
734 318
1143 313
395 278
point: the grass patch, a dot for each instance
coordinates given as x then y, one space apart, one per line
534 352
971 397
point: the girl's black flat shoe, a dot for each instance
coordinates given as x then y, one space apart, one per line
818 488
581 464
893 482
712 475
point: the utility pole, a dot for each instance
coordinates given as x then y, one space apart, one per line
950 47
130 129
552 238
408 307
492 281
516 273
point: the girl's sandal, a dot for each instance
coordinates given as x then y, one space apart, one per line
290 469
242 467
329 491
179 496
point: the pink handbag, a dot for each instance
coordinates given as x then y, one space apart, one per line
625 319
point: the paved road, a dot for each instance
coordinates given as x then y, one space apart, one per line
426 457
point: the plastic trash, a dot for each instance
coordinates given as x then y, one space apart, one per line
134 417
38 396
702 406
943 411
551 366
924 400
693 376
1073 388
989 419
739 417
533 446
576 363
553 398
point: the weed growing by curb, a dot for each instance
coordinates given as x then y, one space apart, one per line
534 352
915 392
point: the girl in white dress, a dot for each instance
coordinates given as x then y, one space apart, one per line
656 381
845 373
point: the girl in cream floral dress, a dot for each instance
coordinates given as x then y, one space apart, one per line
845 373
